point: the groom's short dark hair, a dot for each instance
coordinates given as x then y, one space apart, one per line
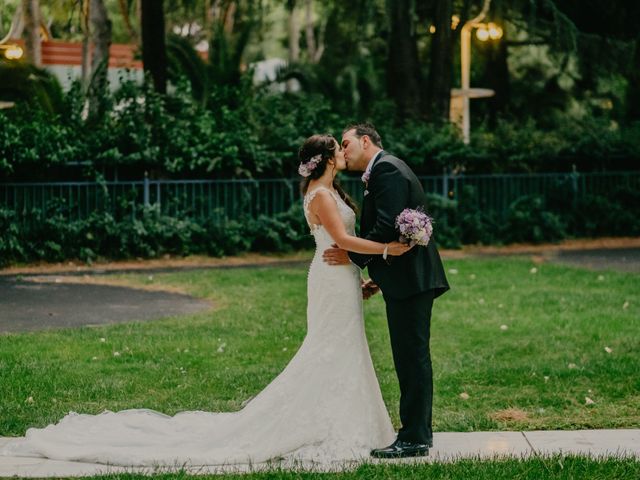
365 129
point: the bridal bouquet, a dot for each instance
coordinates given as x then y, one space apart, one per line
415 226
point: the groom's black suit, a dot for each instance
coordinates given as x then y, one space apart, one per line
409 283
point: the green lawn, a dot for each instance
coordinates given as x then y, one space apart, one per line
549 468
527 348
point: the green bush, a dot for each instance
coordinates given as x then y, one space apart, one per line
49 234
528 220
446 222
247 132
52 234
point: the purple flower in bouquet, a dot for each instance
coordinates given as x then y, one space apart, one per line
415 226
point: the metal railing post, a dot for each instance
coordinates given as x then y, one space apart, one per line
445 182
146 189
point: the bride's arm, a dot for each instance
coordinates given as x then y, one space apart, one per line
325 208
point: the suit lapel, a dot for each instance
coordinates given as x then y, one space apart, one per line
367 217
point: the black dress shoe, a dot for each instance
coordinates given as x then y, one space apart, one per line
400 449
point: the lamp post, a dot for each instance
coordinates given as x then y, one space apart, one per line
460 97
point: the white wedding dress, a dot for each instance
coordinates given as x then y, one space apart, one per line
324 407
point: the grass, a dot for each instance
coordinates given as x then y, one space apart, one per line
548 468
526 348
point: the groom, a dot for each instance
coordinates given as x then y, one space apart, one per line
409 283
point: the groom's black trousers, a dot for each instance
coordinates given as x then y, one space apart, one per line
410 330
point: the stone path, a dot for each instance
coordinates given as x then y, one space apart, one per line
449 446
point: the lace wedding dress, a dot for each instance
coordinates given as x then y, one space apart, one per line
325 406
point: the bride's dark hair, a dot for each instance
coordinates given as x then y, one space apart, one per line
325 146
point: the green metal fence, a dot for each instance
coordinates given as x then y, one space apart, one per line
229 199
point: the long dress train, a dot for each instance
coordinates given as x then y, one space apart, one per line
325 406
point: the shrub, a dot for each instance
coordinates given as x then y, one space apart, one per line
528 220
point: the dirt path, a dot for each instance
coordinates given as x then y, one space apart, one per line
617 253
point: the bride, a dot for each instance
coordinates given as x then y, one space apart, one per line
326 404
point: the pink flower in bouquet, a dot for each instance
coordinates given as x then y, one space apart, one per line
415 226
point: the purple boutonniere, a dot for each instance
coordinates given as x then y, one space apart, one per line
365 177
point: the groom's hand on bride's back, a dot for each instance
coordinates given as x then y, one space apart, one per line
336 256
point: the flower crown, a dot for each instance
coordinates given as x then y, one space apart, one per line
306 168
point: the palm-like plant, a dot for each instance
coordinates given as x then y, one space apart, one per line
23 82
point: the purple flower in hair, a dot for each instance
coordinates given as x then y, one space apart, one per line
306 168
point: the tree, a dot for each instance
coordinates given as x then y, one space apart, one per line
497 68
441 65
633 89
31 12
403 70
315 49
123 6
154 55
101 39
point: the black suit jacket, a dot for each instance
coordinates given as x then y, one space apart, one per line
393 187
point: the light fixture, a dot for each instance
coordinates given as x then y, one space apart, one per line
432 29
482 33
12 52
495 32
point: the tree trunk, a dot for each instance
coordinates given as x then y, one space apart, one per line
497 68
294 41
441 68
294 32
31 12
154 55
403 72
124 11
85 77
315 48
101 39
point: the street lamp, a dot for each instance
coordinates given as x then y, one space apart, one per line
460 97
11 51
488 31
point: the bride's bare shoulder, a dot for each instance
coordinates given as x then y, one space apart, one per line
321 199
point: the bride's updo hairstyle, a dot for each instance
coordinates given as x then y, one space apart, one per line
314 155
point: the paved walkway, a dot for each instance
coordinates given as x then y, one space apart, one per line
29 306
449 446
